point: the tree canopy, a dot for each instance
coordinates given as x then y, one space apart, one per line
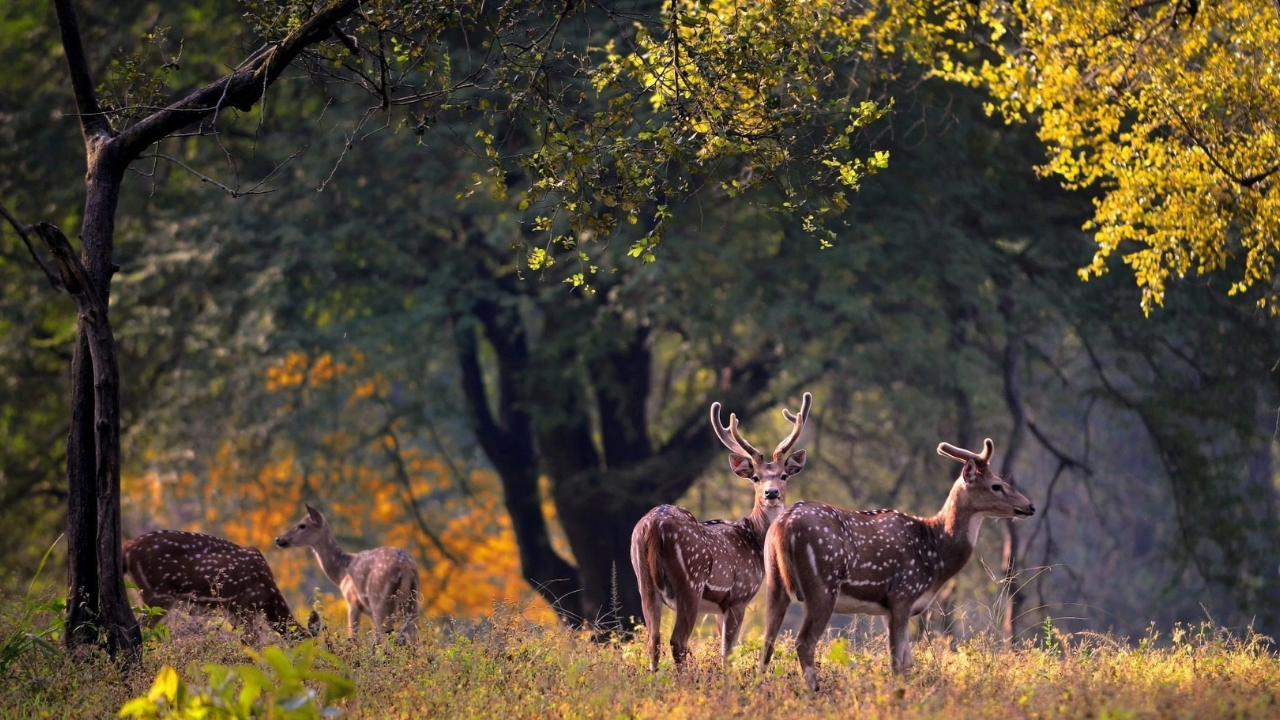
1165 110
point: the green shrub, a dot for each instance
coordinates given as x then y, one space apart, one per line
280 685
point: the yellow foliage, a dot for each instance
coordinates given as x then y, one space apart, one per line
367 499
1168 109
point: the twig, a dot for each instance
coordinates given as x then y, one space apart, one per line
233 192
24 232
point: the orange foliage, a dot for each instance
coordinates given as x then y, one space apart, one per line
368 499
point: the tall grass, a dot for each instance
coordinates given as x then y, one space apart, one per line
507 667
36 625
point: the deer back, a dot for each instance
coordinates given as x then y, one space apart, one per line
170 566
384 574
723 561
868 560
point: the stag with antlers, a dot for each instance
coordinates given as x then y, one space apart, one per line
878 562
713 566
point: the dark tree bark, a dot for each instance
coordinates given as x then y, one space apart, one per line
599 492
97 602
122 631
509 444
1009 560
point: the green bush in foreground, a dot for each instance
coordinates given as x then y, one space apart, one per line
506 667
283 687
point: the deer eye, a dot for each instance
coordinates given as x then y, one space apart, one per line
302 526
997 488
755 478
782 477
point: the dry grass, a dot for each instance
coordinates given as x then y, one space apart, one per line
509 668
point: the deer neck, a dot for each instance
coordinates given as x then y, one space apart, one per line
956 526
333 561
757 522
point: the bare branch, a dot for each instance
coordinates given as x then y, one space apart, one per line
24 232
203 178
241 89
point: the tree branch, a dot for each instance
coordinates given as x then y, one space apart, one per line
75 280
24 232
240 90
394 455
93 123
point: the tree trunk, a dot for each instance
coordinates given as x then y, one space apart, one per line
98 601
1017 413
83 608
1009 570
508 442
599 529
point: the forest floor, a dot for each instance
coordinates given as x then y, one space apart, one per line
507 667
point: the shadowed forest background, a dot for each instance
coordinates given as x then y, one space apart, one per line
382 331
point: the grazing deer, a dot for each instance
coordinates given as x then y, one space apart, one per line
209 573
878 562
714 566
382 582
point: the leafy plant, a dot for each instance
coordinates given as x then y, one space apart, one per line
25 637
281 684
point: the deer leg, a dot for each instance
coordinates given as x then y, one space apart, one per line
775 610
353 617
818 607
686 618
408 613
406 608
730 630
381 615
651 604
899 639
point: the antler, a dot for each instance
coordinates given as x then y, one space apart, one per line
962 455
797 426
730 436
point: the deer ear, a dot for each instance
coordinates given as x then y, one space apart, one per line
970 472
315 514
795 463
740 465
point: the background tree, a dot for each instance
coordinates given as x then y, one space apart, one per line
400 55
1167 108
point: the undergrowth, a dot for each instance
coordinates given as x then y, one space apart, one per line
507 667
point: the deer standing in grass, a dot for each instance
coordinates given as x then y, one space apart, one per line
209 573
714 566
382 582
879 562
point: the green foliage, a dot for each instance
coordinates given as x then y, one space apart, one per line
282 684
28 635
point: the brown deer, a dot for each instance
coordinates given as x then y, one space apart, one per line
714 566
878 562
382 582
209 573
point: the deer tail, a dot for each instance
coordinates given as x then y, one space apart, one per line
779 563
408 585
653 555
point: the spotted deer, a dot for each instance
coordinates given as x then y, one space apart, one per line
209 573
382 582
877 562
713 566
